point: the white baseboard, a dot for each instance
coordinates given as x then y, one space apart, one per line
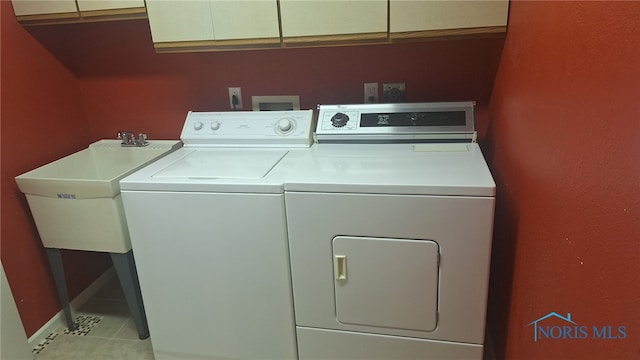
58 320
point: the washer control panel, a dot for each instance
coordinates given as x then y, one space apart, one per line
248 128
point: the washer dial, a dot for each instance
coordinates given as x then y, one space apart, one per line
285 126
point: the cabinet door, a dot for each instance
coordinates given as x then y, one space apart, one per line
64 11
245 19
321 18
42 7
173 21
416 15
97 5
209 22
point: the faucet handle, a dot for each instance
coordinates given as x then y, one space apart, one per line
124 134
129 139
142 139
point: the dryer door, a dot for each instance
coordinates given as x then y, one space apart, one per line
389 283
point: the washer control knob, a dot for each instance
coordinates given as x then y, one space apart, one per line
339 120
198 125
284 125
215 125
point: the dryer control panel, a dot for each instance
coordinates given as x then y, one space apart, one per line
292 128
398 122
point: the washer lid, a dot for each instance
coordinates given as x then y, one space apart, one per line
223 164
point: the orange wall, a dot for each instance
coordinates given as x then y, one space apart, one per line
564 150
42 120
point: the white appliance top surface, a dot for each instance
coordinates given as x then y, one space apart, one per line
229 152
223 164
456 169
246 170
449 168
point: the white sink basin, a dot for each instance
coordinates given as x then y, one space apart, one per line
75 201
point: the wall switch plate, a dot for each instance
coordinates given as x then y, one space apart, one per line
235 93
393 92
370 93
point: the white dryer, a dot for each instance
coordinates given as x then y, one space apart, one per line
208 231
390 222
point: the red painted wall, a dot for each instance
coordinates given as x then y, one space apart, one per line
42 120
64 86
560 140
564 149
125 84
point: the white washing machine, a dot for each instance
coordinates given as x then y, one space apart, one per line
208 232
390 222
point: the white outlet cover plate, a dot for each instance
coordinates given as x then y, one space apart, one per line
370 93
238 92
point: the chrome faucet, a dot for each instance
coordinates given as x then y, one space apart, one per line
129 139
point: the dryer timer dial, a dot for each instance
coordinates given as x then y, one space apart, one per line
339 120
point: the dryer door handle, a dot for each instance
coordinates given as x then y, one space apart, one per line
340 267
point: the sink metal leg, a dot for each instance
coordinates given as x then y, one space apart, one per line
126 269
57 268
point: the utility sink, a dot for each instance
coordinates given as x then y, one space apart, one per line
76 202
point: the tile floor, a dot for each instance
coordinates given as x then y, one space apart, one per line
107 332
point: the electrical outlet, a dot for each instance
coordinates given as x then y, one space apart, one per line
393 92
370 93
235 92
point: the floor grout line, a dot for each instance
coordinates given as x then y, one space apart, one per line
120 329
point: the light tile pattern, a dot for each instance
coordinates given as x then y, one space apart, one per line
112 334
107 332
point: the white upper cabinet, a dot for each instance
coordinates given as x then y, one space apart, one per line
42 7
246 19
172 21
51 11
197 20
183 25
333 17
100 5
429 15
